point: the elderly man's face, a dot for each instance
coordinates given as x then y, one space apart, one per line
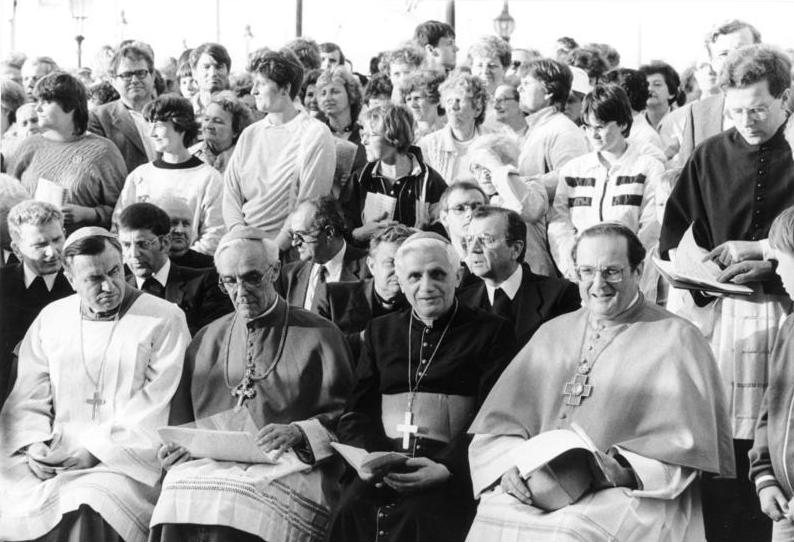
428 280
133 81
181 229
381 265
488 252
31 73
607 284
457 215
247 275
27 120
756 114
98 279
461 111
210 74
312 242
144 252
40 247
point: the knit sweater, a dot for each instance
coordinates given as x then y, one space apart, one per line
90 168
197 184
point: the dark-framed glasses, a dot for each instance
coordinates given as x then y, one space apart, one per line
484 239
304 236
462 208
611 273
127 76
252 279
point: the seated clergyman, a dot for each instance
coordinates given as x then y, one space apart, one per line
422 374
97 371
287 368
640 382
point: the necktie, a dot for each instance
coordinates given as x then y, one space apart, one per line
502 306
152 286
319 289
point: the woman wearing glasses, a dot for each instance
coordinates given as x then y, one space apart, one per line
79 171
617 182
178 174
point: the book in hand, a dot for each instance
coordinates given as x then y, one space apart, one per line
369 464
691 269
560 467
239 446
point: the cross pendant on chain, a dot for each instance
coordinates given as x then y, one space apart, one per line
244 390
95 402
577 389
407 428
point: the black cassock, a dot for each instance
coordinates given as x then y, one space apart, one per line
475 349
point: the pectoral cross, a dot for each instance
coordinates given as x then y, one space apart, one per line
95 402
577 389
407 428
244 390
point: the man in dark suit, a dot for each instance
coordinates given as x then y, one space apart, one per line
182 235
144 236
121 121
37 239
351 305
317 227
494 248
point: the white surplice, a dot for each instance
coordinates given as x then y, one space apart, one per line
142 367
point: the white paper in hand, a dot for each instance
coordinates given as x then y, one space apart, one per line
50 192
378 205
237 446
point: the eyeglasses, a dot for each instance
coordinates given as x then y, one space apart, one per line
303 236
139 74
141 244
612 274
485 239
250 280
464 208
760 112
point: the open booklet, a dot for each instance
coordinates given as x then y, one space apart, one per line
560 466
691 269
369 463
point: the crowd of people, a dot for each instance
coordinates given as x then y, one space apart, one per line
430 295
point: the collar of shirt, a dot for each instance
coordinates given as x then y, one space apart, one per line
6 255
30 276
539 117
450 144
416 169
510 286
334 266
160 276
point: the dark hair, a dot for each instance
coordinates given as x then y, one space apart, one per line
69 93
89 246
633 82
216 51
330 47
569 43
610 55
555 76
396 233
379 85
132 51
395 123
753 63
515 227
177 110
729 27
103 92
241 114
282 67
636 252
430 32
184 70
328 213
309 79
669 74
409 54
145 216
159 82
607 103
591 61
307 51
462 186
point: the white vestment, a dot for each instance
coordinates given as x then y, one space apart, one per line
142 367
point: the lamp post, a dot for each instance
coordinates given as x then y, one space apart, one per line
79 9
504 24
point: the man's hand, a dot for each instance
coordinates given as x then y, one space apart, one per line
76 214
279 437
747 271
171 455
40 470
514 485
370 229
731 252
426 474
773 503
80 459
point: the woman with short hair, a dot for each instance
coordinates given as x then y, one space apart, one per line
339 95
420 93
88 169
178 174
224 120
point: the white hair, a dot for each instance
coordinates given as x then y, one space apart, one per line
430 245
269 248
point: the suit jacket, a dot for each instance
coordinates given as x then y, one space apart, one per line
197 293
351 306
294 278
113 121
18 308
538 299
703 121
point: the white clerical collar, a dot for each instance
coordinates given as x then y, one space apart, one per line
266 312
31 275
160 276
333 266
509 286
7 254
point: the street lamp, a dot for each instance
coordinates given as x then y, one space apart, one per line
504 24
79 9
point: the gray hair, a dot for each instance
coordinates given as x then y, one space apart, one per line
33 213
269 248
430 245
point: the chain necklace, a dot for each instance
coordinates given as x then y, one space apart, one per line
96 400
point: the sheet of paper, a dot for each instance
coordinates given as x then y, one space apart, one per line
237 446
376 205
50 192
